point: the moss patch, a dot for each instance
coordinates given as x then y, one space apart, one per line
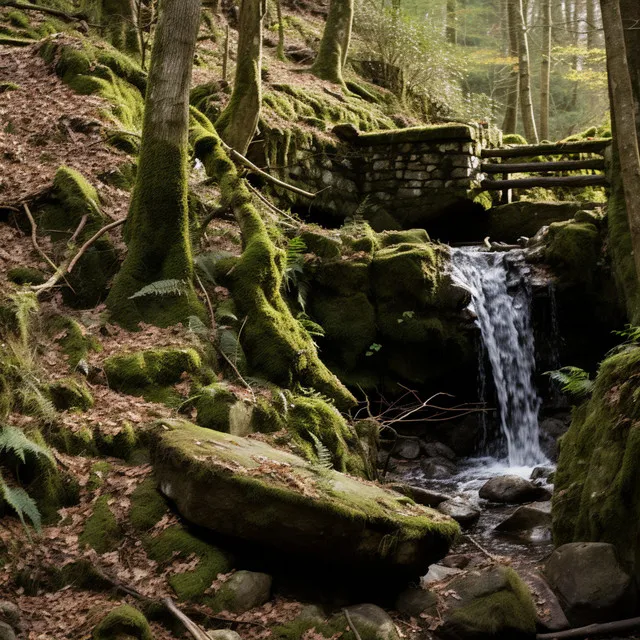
147 506
101 531
69 393
123 622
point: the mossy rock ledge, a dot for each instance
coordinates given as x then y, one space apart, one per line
249 490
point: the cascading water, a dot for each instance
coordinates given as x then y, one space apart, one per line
501 301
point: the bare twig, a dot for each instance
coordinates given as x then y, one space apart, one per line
275 209
481 548
91 240
34 239
189 624
350 623
214 326
78 231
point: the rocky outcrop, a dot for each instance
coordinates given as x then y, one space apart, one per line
269 497
531 522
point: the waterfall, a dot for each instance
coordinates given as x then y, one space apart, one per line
501 301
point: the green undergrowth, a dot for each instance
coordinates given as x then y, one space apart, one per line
94 442
75 341
122 622
18 24
101 531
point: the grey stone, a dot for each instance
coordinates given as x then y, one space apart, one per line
224 634
312 612
380 165
371 621
439 449
419 495
244 590
434 184
438 572
590 582
461 510
409 193
456 561
438 468
407 448
542 473
461 173
551 617
6 632
415 175
531 522
413 602
346 131
512 490
9 613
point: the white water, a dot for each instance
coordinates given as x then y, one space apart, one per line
501 301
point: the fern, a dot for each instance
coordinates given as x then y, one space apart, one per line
311 327
630 333
34 402
22 503
195 325
15 441
324 455
573 380
206 263
171 287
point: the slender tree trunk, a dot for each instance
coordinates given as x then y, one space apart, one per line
592 33
280 50
452 30
335 38
623 102
630 10
510 122
545 69
526 103
238 122
157 228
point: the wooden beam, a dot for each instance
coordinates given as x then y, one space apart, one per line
535 167
556 148
549 181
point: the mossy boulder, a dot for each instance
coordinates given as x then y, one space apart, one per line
124 621
69 393
263 495
574 250
597 482
487 604
243 591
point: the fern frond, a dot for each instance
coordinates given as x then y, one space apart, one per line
630 333
34 402
195 325
171 287
206 263
311 327
324 455
15 441
572 380
22 503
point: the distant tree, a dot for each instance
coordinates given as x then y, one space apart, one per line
545 69
510 122
452 18
157 227
524 66
237 123
334 46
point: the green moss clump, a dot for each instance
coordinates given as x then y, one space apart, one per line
5 87
123 622
147 506
513 138
126 141
412 236
101 531
121 445
18 19
598 478
68 393
574 250
137 373
214 404
98 475
71 336
175 542
25 275
441 132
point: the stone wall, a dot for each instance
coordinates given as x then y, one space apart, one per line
397 179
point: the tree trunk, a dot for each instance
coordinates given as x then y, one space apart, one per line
337 34
157 228
239 120
526 103
545 69
510 122
623 102
630 10
451 22
280 50
119 20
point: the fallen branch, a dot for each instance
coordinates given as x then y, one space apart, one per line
25 6
275 209
605 628
189 624
481 548
350 623
238 157
34 239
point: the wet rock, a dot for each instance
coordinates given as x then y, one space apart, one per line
461 510
438 572
489 603
419 495
551 429
438 468
407 448
531 522
7 632
370 621
413 602
456 561
461 436
244 590
542 473
438 450
512 490
590 582
551 617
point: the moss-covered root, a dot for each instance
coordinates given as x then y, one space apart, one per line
275 343
157 229
123 622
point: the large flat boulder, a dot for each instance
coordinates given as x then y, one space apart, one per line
246 489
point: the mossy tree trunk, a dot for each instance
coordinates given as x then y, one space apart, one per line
119 19
334 45
280 50
524 67
239 120
545 69
157 229
510 122
626 125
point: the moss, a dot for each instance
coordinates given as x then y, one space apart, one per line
18 19
123 622
598 480
25 275
126 141
124 177
68 393
412 236
121 445
98 475
101 531
430 133
321 245
71 336
176 542
343 277
135 372
147 506
213 405
5 87
513 138
574 250
15 41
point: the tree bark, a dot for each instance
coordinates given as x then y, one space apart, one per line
510 122
119 21
157 227
452 30
280 50
526 103
622 97
239 120
335 41
545 69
